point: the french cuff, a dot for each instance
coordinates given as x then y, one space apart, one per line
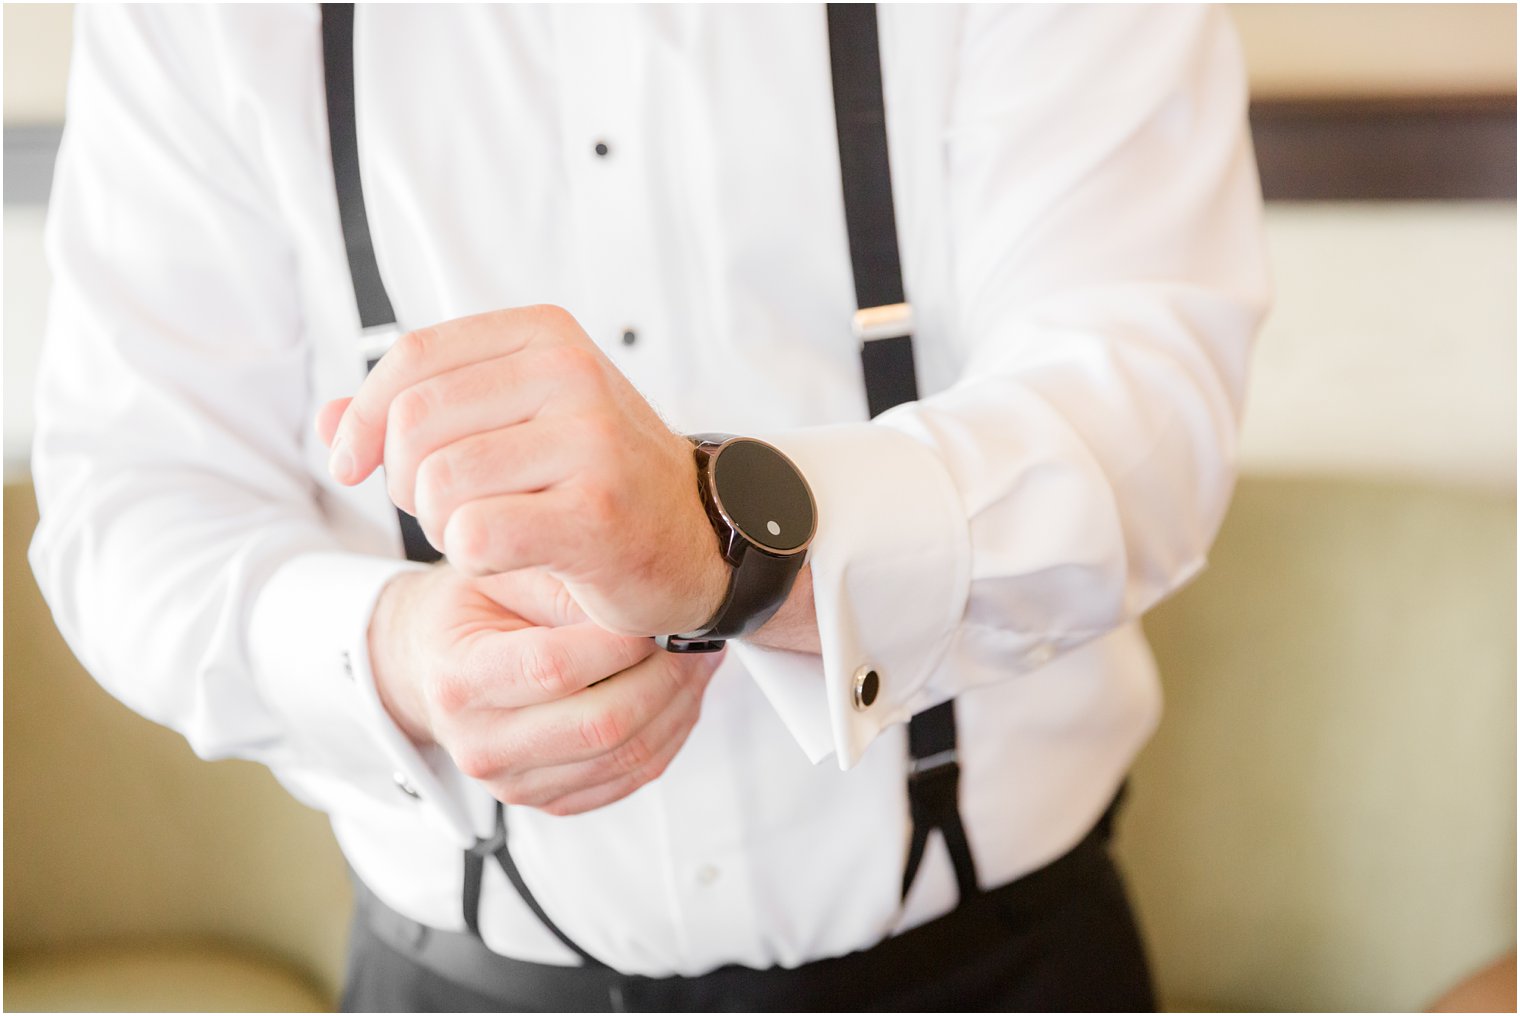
891 571
309 643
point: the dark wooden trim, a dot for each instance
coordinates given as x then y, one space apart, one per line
1459 148
29 153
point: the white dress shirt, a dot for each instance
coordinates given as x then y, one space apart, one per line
1080 225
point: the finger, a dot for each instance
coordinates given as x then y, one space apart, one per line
328 417
534 595
506 532
360 442
645 747
488 396
600 795
515 460
534 666
589 725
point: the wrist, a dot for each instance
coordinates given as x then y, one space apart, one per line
795 625
758 512
389 658
713 576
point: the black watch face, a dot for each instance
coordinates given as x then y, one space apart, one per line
763 495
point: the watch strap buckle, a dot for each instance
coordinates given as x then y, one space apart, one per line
677 644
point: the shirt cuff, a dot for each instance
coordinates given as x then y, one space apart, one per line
309 643
891 566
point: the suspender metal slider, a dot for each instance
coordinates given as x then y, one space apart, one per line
376 339
889 321
924 766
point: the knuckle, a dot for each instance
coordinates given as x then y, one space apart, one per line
409 410
435 477
600 431
601 731
575 363
358 416
512 790
414 347
447 694
599 504
554 315
468 540
478 763
561 603
654 769
546 668
632 756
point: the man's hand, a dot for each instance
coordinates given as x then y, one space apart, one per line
506 675
518 444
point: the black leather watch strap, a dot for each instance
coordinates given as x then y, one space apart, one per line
757 591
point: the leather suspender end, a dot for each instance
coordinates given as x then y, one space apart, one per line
891 321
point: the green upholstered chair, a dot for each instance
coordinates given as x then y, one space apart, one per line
1325 820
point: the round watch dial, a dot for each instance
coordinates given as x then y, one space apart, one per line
762 493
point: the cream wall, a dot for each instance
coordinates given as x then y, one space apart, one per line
1291 49
36 61
1297 50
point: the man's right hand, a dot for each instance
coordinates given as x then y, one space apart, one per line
506 675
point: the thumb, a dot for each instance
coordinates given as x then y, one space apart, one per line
328 417
534 595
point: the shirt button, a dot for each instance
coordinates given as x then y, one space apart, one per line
630 336
405 786
867 687
601 149
707 875
348 666
1040 655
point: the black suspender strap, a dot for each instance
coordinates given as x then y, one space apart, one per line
343 136
934 778
883 323
884 326
474 873
376 317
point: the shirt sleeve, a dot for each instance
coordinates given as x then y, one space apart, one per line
184 546
1107 275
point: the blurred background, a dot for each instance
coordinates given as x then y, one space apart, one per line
1326 819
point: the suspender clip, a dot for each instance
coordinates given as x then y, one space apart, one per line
488 846
889 321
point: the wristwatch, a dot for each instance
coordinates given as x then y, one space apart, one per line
763 513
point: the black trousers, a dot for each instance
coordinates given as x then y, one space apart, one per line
1061 939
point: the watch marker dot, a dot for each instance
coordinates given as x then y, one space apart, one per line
775 530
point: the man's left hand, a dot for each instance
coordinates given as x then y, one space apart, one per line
517 444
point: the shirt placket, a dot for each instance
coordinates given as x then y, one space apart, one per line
620 253
616 251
